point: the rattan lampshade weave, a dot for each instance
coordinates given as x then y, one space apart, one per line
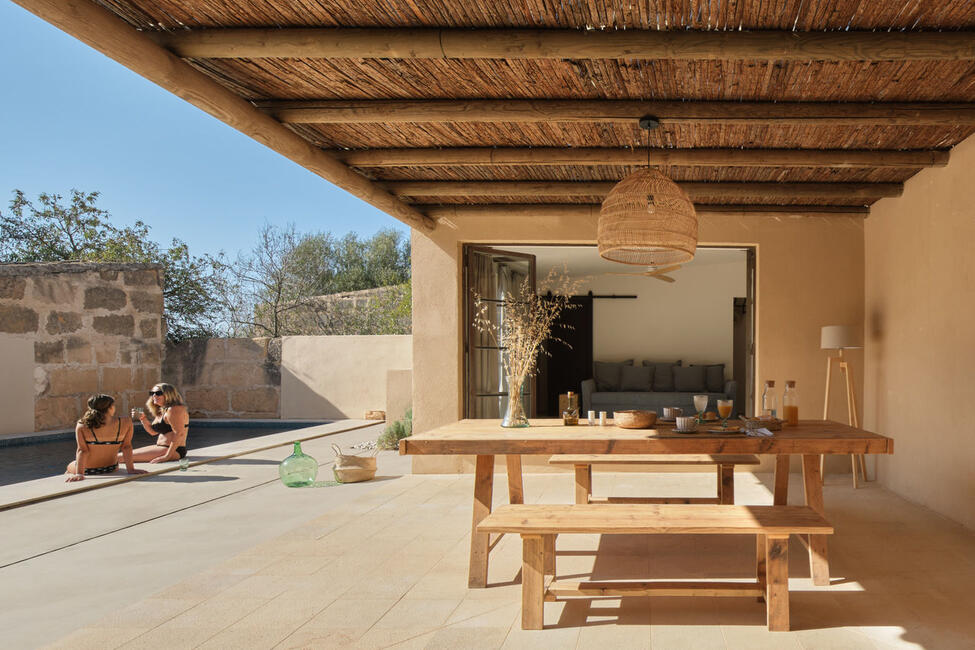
647 219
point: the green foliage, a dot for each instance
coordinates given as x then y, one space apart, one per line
284 286
396 431
54 231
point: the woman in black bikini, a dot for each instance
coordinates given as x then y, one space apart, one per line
170 420
104 440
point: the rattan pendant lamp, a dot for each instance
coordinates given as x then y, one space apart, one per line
647 219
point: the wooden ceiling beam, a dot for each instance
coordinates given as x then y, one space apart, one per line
396 111
591 210
106 33
357 43
853 192
557 156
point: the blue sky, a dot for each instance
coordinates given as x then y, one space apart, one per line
72 118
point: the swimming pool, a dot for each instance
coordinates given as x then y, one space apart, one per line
26 459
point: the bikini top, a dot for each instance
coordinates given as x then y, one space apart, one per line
161 427
96 441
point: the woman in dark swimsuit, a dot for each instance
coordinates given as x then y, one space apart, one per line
103 441
170 420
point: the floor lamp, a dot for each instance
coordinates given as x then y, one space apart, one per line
842 337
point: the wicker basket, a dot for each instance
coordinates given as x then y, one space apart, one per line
350 468
634 419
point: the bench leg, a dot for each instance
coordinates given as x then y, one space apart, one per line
777 586
583 483
480 542
532 581
550 554
760 552
813 487
726 491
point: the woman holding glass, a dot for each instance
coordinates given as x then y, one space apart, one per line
170 421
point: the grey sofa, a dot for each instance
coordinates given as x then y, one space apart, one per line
650 400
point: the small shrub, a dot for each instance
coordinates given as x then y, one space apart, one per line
396 431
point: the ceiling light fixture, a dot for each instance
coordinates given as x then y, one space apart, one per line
646 218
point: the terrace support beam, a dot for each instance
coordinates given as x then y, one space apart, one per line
385 111
357 43
591 210
851 192
551 156
106 33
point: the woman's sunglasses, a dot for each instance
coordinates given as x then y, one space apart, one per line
155 392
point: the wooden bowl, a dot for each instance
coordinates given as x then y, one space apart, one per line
634 419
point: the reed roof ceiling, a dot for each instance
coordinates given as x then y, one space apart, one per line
932 75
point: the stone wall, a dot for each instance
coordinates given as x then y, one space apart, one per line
94 328
227 378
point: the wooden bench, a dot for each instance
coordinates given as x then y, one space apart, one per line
539 524
724 463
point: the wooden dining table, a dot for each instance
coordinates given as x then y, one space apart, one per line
485 439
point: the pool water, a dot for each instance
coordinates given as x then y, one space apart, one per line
40 458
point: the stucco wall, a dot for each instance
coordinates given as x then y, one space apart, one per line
920 336
810 274
16 384
227 378
93 328
339 376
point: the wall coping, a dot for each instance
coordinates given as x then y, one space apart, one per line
51 268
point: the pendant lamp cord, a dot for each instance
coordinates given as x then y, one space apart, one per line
648 149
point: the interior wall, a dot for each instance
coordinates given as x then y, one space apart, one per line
809 274
920 355
690 319
339 376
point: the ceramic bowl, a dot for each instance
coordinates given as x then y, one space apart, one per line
635 419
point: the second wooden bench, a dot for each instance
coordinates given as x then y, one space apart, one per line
538 526
724 465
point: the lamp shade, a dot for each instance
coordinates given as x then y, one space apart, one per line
647 219
837 337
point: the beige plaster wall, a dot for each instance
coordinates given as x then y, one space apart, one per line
920 336
810 274
92 327
227 378
16 385
339 376
399 393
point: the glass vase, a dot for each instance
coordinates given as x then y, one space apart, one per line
298 469
514 415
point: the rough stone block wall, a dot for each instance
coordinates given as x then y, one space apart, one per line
95 328
227 378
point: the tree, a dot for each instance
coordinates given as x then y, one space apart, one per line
55 231
286 284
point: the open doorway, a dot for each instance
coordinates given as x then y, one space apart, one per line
699 316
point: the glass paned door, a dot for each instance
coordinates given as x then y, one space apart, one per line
492 274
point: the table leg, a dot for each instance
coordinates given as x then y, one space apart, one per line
483 494
727 486
583 483
780 496
813 488
516 491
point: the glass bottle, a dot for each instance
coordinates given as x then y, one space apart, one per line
570 416
790 403
768 399
298 469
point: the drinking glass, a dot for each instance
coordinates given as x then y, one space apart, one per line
724 411
700 405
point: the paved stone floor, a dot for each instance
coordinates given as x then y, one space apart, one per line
386 567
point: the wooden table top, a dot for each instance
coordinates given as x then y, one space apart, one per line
487 437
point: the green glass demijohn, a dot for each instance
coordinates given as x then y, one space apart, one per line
298 469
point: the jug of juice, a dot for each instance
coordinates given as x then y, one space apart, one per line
790 404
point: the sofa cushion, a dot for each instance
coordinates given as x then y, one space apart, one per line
690 379
636 378
608 375
714 376
663 376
